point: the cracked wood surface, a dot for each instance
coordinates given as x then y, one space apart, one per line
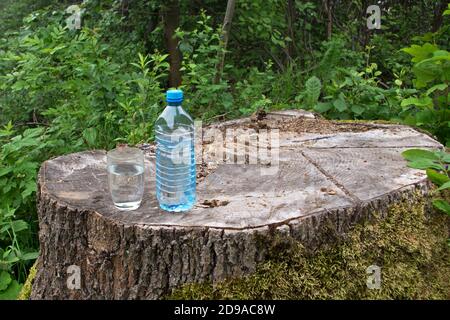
339 176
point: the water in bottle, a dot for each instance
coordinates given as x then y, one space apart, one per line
175 156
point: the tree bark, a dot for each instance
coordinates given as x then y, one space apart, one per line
363 31
171 16
226 28
329 11
290 21
438 15
125 7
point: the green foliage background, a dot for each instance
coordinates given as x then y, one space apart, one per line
63 91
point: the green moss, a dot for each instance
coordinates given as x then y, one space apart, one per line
409 245
26 289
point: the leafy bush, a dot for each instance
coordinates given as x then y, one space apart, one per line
353 95
20 157
12 12
78 83
252 93
200 48
436 165
357 95
259 32
430 108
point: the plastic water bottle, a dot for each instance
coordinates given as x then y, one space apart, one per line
175 156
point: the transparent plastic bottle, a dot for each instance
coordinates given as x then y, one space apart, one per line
175 156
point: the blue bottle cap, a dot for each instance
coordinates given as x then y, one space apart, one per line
174 95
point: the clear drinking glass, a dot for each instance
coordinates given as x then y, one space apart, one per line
126 177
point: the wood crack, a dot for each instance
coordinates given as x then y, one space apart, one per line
353 197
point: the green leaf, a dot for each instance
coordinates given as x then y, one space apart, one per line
424 164
9 257
322 107
444 186
419 154
442 205
30 188
424 117
30 255
440 87
185 47
446 156
358 109
90 135
19 225
5 171
340 104
313 87
5 280
444 54
420 102
447 12
11 292
436 177
420 53
426 71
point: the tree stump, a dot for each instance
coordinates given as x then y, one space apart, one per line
327 174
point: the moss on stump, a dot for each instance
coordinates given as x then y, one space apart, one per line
409 245
26 289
